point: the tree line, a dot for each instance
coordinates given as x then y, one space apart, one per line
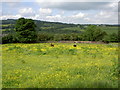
25 32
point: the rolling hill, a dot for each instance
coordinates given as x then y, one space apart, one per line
7 26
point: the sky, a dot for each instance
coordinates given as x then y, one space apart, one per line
66 11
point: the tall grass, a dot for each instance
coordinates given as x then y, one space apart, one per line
61 66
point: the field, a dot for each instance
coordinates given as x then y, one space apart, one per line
55 27
62 66
110 30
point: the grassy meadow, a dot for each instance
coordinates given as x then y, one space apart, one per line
62 66
110 30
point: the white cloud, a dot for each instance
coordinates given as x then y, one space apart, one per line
105 14
105 17
10 17
37 17
79 5
56 18
76 18
53 17
79 15
10 0
77 0
45 11
27 12
114 6
70 13
87 19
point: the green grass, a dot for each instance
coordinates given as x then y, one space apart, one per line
4 30
61 66
59 30
72 28
110 30
6 25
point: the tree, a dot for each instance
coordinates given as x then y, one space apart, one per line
93 33
111 37
114 37
25 29
44 37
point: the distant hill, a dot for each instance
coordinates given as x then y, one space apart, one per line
43 26
7 26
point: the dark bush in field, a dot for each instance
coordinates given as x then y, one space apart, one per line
10 38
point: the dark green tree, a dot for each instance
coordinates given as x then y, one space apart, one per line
93 33
111 37
25 30
114 37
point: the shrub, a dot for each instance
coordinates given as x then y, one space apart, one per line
111 38
10 38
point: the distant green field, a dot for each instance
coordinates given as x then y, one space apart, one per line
62 66
4 30
61 29
107 29
110 30
6 25
73 28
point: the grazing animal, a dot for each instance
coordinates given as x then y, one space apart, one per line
107 42
52 45
75 45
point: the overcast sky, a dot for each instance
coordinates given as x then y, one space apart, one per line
78 12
